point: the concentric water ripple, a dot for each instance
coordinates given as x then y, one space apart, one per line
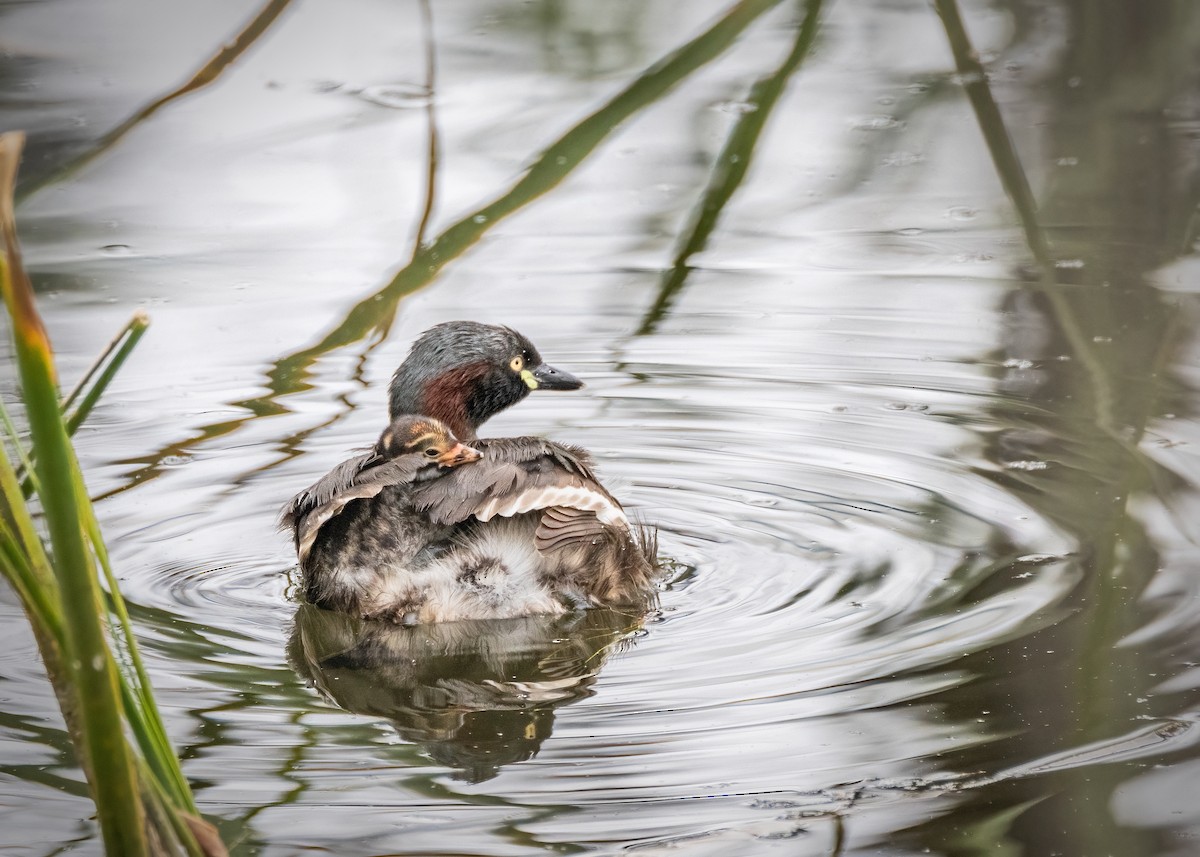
929 514
836 551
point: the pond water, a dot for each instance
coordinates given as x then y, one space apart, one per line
899 356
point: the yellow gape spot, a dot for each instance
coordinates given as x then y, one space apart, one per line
530 381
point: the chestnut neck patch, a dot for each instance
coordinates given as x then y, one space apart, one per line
446 396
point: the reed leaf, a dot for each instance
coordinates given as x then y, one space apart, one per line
140 708
87 391
89 662
103 370
144 805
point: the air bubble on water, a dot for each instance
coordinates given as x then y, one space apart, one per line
1025 465
968 78
737 107
1037 558
902 159
874 122
398 96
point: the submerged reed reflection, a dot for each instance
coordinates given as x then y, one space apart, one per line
475 695
940 508
372 317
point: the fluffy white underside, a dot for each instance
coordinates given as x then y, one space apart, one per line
506 580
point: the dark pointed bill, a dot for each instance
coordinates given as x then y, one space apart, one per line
549 378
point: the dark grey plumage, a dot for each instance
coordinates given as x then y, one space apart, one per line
514 465
449 347
586 549
462 373
361 512
326 489
527 529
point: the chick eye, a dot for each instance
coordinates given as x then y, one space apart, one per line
432 452
517 363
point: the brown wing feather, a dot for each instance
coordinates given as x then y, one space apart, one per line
361 477
324 489
561 526
522 474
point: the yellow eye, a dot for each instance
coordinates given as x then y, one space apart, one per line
517 363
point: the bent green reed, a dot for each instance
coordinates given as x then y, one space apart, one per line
143 802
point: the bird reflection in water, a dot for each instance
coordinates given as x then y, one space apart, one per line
474 695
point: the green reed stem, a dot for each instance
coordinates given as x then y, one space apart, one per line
89 662
24 556
144 804
110 360
118 350
140 707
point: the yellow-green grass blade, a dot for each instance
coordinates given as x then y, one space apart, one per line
197 836
142 710
14 437
90 387
17 518
108 758
111 360
26 477
25 572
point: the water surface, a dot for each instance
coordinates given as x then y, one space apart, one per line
898 356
